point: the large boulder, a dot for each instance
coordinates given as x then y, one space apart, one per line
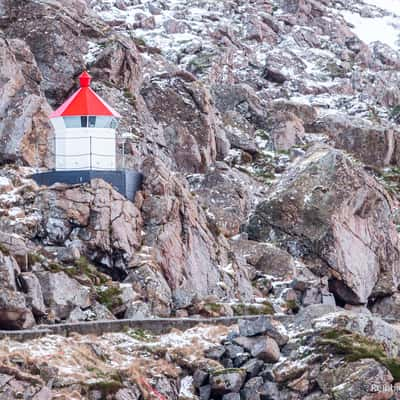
328 208
265 258
227 381
364 380
372 144
286 130
62 293
119 63
14 313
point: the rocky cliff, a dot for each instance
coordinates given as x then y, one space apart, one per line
267 134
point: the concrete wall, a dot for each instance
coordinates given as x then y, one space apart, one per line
156 326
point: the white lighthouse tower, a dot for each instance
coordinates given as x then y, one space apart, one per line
85 143
85 131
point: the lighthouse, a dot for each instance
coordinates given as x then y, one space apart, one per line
85 131
85 143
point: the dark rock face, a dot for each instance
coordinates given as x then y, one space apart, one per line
101 219
333 210
187 118
226 196
358 137
24 112
184 245
57 42
221 104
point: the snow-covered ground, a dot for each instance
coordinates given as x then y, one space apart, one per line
392 6
385 29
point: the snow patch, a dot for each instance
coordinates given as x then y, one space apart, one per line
369 30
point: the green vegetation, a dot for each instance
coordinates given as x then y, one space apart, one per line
34 258
336 70
108 386
292 305
130 97
395 113
84 267
139 42
140 334
55 267
4 249
356 347
213 307
109 297
390 178
227 371
266 308
200 63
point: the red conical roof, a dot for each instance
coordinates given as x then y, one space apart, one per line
84 102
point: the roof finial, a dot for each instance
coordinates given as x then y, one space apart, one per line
85 79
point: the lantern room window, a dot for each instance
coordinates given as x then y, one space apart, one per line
90 122
72 122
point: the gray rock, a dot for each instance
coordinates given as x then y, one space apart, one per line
355 380
14 314
252 367
251 389
148 281
231 396
62 293
240 360
33 290
128 394
388 307
264 325
215 352
8 271
306 316
44 393
232 350
266 349
311 296
255 327
77 315
205 392
200 378
269 391
101 312
137 310
227 381
328 208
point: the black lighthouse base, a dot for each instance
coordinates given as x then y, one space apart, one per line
124 181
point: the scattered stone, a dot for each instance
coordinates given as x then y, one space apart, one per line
226 381
266 350
263 325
